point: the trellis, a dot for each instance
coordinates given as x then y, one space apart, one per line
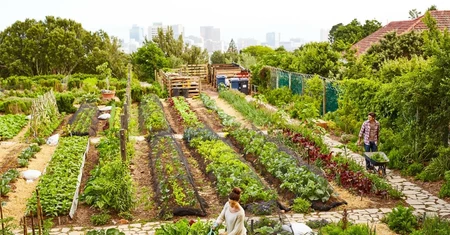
44 112
296 82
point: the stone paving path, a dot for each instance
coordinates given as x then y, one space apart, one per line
371 216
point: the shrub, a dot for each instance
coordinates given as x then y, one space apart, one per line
136 94
437 167
414 169
301 205
100 219
401 220
15 105
445 189
121 94
65 102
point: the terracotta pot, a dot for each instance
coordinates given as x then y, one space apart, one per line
109 95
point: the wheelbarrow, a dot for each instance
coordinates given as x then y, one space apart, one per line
376 162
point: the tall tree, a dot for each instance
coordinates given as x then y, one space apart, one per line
195 55
232 47
55 46
353 32
147 59
218 57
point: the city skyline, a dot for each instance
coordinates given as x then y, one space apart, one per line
235 19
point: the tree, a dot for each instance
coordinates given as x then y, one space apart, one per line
353 32
148 59
195 55
414 14
258 51
432 8
218 57
232 47
392 47
56 46
316 58
168 44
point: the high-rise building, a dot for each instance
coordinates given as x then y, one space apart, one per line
273 39
137 33
178 30
246 42
153 30
211 37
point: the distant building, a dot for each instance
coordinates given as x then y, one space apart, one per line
153 30
246 42
273 39
137 33
178 30
401 27
211 37
194 41
288 45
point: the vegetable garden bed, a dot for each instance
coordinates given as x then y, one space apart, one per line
176 194
58 186
10 125
84 121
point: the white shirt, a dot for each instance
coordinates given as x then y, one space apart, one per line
234 220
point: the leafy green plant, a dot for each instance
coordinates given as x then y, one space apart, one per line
224 163
151 114
414 169
100 219
57 187
110 185
184 227
401 220
110 231
10 125
437 167
445 189
301 205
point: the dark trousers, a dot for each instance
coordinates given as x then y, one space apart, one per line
371 147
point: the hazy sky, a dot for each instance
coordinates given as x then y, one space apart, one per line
235 18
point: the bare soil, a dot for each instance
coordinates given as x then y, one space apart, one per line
140 171
17 200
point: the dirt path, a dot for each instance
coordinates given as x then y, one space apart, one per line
140 171
17 200
228 109
204 115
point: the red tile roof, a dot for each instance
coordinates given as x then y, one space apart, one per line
442 19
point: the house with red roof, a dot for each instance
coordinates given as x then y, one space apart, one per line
400 27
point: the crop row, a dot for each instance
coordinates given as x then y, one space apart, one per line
173 183
110 184
10 125
27 154
5 180
82 120
152 117
298 180
345 171
228 169
185 114
57 186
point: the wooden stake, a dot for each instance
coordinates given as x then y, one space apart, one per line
38 212
123 145
1 217
32 224
25 229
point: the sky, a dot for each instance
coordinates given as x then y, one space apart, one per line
235 18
